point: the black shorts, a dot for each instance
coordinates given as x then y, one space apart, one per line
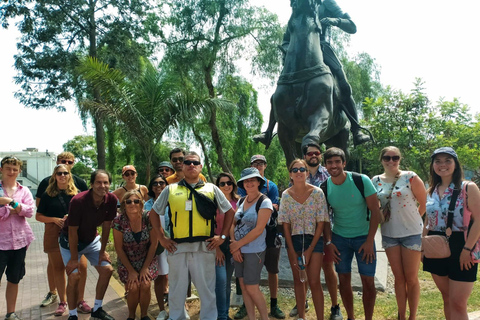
450 267
14 262
272 257
302 242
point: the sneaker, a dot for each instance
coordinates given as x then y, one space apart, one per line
336 313
277 313
241 313
13 316
145 318
83 307
49 299
100 314
72 318
62 307
162 315
294 311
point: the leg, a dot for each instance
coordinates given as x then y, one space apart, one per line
299 288
133 299
266 136
345 280
394 255
411 264
11 294
442 283
313 275
459 292
104 275
178 281
56 262
272 258
331 281
369 295
82 266
201 266
160 284
145 295
72 289
221 292
257 299
273 285
51 276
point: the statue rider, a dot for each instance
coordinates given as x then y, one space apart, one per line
330 15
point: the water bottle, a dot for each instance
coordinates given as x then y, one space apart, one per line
302 274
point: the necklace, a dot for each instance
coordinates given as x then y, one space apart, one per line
253 198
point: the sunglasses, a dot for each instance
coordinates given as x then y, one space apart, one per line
179 159
129 201
129 173
228 183
258 164
158 183
63 173
313 153
164 170
388 158
295 170
189 162
67 161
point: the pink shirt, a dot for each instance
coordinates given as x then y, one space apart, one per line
220 217
15 232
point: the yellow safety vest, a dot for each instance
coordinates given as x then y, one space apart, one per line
188 225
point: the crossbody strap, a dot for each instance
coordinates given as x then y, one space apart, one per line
451 209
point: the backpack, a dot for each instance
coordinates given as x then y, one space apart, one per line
357 179
271 226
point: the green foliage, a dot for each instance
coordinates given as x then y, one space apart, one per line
83 148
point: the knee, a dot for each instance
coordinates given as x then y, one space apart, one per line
458 305
73 278
412 281
145 286
105 271
133 289
251 289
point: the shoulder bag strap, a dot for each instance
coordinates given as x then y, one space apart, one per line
64 205
451 209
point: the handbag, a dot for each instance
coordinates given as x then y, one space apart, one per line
468 221
386 209
437 246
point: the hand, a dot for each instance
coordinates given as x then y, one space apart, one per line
169 245
368 253
71 266
104 256
215 242
465 260
237 256
144 275
330 21
234 246
59 222
275 206
219 257
308 255
334 253
5 200
132 279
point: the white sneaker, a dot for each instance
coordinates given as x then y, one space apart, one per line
162 315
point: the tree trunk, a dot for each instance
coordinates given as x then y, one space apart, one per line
204 149
100 139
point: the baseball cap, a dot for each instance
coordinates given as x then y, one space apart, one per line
258 157
128 168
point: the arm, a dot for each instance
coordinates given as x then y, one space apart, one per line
473 202
144 191
132 273
292 255
26 205
262 220
42 218
168 244
144 274
73 244
367 247
273 194
420 193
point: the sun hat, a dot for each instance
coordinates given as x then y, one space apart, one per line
248 173
128 168
446 150
258 157
166 164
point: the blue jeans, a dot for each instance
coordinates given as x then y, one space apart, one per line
223 278
347 248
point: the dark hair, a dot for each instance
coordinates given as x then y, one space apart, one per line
94 174
194 154
334 152
314 145
176 150
435 179
390 148
150 185
12 160
229 176
294 162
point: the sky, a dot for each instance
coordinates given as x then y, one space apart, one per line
429 39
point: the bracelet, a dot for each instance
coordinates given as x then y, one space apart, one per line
13 204
468 249
327 243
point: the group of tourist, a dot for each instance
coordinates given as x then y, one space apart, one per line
182 229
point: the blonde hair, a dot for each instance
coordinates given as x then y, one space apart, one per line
53 190
65 155
127 196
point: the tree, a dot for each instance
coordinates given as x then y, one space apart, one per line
56 32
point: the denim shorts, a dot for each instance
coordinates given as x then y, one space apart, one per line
410 242
91 252
347 248
302 242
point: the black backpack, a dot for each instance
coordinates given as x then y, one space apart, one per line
357 179
271 226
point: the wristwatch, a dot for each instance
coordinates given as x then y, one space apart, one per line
328 242
223 237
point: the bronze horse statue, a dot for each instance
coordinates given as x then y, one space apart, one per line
305 102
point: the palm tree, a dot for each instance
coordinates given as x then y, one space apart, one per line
144 107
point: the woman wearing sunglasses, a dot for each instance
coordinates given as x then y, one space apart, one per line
223 262
129 174
155 187
135 244
302 213
402 197
52 210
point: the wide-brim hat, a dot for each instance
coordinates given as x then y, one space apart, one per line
248 173
445 150
166 164
128 168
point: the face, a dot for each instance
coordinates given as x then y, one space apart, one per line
165 171
62 176
129 176
158 185
251 185
68 162
101 185
335 166
260 165
223 185
390 160
192 167
177 161
444 165
299 175
132 204
10 171
313 157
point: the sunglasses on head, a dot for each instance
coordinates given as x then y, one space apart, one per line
179 159
189 162
62 173
295 170
388 158
228 183
164 170
129 201
67 161
129 173
313 153
158 183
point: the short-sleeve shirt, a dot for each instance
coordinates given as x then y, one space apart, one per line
319 177
404 220
246 221
303 217
86 216
349 206
52 206
79 183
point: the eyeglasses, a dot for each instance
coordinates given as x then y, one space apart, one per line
258 164
179 159
67 161
164 170
189 162
129 173
129 201
62 173
4 160
228 183
158 184
295 170
388 158
313 153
